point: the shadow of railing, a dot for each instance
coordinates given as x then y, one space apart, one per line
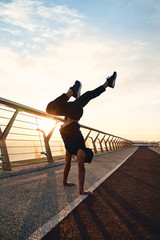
30 135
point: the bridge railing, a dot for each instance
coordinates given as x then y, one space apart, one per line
30 135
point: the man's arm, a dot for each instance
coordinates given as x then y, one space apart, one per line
67 169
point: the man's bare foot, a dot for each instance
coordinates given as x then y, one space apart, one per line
85 193
69 184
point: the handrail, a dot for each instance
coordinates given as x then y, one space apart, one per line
24 108
27 109
111 143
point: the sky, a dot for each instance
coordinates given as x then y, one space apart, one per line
46 45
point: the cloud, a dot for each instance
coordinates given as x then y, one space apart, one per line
37 25
18 13
56 48
33 15
17 44
89 59
11 31
63 13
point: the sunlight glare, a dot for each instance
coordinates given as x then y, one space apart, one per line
46 125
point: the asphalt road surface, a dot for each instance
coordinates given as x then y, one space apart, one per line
125 206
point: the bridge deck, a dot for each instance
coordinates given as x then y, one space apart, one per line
125 206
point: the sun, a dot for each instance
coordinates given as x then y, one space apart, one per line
46 125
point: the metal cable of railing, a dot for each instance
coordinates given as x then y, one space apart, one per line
28 134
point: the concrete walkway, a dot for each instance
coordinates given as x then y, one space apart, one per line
29 201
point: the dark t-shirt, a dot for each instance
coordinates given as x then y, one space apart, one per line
73 138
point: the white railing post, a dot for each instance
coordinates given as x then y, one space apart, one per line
46 142
3 135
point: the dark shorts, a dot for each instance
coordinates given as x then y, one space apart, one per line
73 138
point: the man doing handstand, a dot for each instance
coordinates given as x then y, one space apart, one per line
70 130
